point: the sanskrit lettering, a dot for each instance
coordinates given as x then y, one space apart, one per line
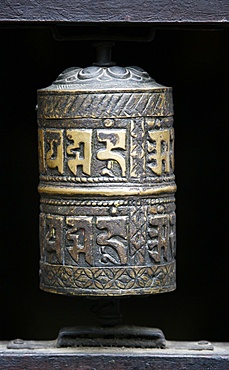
113 239
159 238
160 149
80 149
77 151
114 139
162 243
81 234
53 238
54 156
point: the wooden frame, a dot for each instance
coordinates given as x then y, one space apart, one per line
176 356
177 13
87 11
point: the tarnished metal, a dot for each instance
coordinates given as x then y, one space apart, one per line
124 336
107 222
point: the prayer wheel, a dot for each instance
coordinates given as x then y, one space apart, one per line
106 159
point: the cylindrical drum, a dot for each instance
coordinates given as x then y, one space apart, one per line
106 156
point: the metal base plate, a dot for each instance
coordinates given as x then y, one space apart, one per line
120 336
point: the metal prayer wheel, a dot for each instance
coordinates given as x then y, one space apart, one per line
106 158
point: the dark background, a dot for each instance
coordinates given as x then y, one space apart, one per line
194 63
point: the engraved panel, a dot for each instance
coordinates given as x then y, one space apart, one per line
95 237
72 152
106 159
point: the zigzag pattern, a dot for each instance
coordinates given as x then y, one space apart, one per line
137 152
105 105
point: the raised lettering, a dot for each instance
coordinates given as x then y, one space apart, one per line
114 237
114 139
54 157
81 234
81 149
53 238
160 148
159 234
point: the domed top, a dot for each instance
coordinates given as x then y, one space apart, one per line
96 78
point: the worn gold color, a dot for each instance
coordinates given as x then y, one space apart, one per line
54 156
106 155
114 139
160 151
114 191
41 150
80 137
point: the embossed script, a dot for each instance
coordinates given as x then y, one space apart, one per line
160 147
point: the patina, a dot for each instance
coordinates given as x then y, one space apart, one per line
106 156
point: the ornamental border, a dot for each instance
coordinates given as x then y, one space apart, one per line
150 179
74 280
54 105
96 203
82 179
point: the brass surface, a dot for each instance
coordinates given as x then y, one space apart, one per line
106 160
102 191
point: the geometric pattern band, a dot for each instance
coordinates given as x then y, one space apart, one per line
107 281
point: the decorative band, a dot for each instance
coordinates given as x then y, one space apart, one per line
100 179
109 192
59 104
107 281
105 203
